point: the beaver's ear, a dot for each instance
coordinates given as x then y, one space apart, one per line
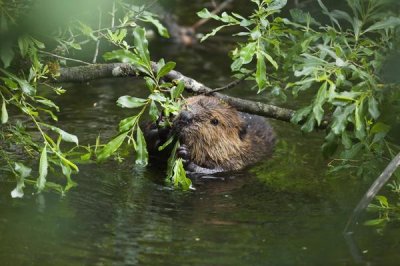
243 131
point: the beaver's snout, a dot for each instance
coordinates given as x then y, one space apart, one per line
184 118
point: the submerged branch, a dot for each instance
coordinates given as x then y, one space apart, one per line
98 71
372 191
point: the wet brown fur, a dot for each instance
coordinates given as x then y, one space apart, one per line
236 141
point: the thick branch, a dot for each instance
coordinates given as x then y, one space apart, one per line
92 72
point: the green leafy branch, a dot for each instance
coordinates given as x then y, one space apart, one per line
260 29
162 94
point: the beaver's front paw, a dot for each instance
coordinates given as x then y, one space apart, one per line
183 153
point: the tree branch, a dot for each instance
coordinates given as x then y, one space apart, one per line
218 9
98 71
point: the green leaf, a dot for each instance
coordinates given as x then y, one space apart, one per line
150 84
261 72
160 28
380 128
23 84
178 177
23 44
158 97
162 147
126 56
177 90
55 187
64 135
67 172
383 201
299 16
226 18
153 111
300 114
141 151
26 87
47 102
6 54
320 99
22 172
247 52
141 44
346 140
340 118
375 222
130 102
352 152
386 23
86 30
165 69
111 147
358 117
53 116
276 5
127 123
339 14
10 83
4 113
270 59
204 13
373 108
171 162
43 168
309 124
213 32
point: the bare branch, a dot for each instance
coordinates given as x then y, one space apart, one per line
64 58
233 83
96 52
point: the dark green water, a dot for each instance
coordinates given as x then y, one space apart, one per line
284 211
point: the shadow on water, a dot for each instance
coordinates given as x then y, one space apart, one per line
283 211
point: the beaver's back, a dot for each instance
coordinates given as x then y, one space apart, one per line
262 137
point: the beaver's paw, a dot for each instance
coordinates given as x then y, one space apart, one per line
183 153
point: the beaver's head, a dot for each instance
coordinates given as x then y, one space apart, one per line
213 131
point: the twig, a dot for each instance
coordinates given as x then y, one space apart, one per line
65 58
96 52
233 83
218 9
113 15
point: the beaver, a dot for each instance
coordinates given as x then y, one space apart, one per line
215 137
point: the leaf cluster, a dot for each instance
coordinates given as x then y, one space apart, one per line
334 65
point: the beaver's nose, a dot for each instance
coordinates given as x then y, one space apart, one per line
186 117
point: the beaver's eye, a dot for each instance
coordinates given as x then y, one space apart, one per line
214 121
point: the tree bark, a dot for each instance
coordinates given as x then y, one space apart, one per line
98 71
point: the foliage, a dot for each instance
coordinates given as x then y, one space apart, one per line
338 63
27 66
162 94
386 210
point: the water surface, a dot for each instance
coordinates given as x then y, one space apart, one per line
284 211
